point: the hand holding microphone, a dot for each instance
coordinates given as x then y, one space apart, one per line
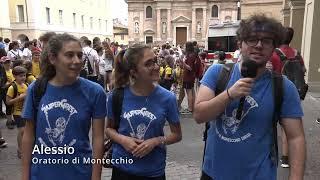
243 86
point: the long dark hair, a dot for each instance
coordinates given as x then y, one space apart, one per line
3 53
55 44
12 44
125 61
189 48
107 51
96 42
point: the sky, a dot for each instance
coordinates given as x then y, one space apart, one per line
119 10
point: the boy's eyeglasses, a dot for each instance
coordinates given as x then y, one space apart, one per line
265 42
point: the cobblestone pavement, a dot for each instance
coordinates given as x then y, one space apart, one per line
174 171
184 158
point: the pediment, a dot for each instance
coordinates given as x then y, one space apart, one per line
181 19
149 31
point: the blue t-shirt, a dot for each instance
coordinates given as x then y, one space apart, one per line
241 149
64 120
144 117
2 46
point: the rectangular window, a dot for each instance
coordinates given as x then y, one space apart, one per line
99 23
91 22
74 19
106 25
82 21
225 43
20 13
149 39
122 36
60 17
48 15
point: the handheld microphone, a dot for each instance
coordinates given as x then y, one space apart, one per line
248 69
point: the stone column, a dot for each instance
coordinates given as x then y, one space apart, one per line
5 31
204 24
158 24
130 27
194 24
222 15
141 26
34 17
234 15
311 43
169 28
285 13
296 19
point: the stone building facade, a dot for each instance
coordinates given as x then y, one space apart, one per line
120 32
160 21
31 18
271 8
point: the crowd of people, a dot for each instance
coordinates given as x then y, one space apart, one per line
57 88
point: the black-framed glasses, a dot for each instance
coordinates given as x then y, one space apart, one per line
265 42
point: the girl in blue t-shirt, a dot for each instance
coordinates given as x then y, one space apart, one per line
59 110
139 149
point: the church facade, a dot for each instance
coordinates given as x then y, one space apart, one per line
159 21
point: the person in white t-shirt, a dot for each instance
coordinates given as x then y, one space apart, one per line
109 59
102 65
6 44
237 53
91 59
14 52
26 53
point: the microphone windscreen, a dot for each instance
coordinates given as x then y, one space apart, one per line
249 68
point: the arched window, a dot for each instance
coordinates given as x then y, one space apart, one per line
214 11
149 12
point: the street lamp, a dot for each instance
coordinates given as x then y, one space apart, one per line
239 13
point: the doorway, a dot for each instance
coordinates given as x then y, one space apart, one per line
181 35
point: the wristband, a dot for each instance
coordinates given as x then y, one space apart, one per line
229 95
162 140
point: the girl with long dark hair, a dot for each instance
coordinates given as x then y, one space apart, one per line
63 116
145 109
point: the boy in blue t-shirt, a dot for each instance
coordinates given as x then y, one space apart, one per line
239 148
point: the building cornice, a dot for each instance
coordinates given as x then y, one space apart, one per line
297 4
258 2
181 19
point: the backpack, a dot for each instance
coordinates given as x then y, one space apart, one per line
293 69
16 56
117 99
15 89
277 90
3 78
87 63
39 88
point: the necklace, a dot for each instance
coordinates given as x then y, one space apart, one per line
138 131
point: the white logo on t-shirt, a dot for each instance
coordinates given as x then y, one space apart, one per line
142 128
230 124
56 134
